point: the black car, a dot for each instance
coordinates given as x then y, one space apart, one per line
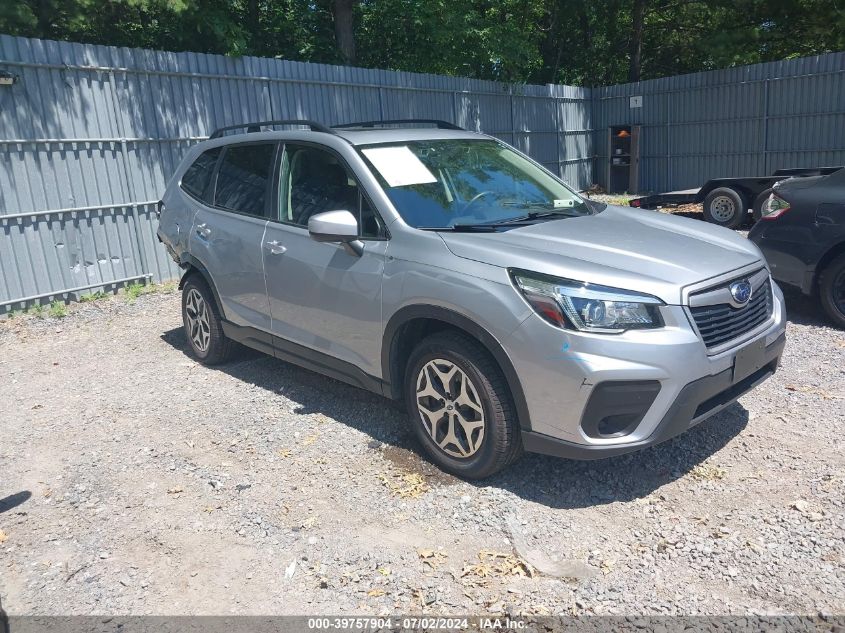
802 234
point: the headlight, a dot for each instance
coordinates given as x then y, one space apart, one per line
587 307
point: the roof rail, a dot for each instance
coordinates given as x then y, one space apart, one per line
442 125
256 126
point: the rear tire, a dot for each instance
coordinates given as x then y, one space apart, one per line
832 291
203 324
726 207
759 201
460 406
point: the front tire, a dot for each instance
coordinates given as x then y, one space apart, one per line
460 406
203 324
725 207
832 291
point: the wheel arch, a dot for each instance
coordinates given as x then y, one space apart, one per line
830 254
411 324
193 266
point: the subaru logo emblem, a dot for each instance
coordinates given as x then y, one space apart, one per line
741 292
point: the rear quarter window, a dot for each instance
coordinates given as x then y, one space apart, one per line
197 177
243 178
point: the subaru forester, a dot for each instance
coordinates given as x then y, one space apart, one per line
446 269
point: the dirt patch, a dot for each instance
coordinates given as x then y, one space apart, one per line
409 461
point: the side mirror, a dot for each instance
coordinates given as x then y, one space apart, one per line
336 226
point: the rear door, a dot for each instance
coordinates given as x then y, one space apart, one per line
228 231
321 296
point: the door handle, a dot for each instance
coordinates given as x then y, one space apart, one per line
203 230
275 247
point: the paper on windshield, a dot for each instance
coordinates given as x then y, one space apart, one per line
399 166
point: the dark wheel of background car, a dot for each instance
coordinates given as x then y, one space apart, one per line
832 290
203 325
460 406
725 207
759 201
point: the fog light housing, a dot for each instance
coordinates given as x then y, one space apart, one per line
616 407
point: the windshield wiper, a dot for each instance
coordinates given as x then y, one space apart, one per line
533 215
467 228
490 227
527 204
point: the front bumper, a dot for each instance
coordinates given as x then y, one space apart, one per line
657 383
697 401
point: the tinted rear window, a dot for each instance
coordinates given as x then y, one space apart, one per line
243 177
198 176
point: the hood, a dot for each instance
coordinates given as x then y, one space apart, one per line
634 249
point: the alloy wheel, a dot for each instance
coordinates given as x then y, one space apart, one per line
450 408
196 313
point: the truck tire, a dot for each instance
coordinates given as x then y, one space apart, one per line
759 201
726 207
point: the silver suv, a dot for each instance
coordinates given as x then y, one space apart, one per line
444 268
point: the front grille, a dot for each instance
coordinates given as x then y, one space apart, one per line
719 324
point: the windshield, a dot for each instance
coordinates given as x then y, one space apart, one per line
447 183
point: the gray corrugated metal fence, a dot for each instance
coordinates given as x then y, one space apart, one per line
90 134
744 121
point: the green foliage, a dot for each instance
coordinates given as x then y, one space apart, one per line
540 41
58 309
94 296
135 290
587 43
37 311
458 37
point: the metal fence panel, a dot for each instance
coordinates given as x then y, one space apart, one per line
742 121
89 136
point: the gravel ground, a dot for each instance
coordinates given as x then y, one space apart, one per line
135 481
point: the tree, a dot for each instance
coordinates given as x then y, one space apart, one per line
344 29
488 40
635 48
578 42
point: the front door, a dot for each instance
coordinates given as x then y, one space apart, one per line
228 232
321 296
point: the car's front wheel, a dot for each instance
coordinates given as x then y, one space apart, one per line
203 325
460 406
832 290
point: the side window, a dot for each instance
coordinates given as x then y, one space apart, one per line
316 181
198 176
243 178
369 222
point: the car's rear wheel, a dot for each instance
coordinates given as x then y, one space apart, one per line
460 406
832 290
725 207
203 325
